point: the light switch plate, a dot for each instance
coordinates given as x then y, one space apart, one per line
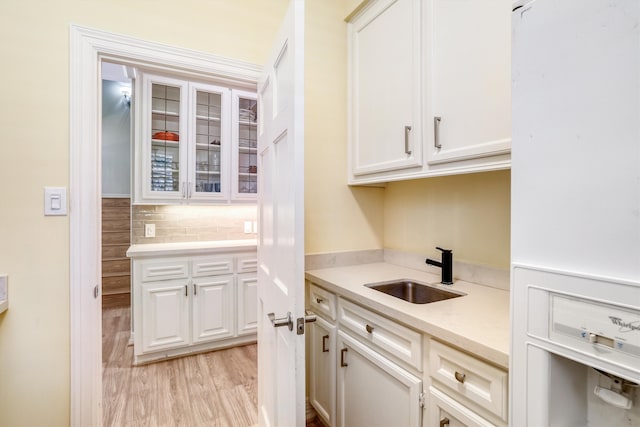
247 227
55 201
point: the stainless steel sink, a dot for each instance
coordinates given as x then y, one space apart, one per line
412 291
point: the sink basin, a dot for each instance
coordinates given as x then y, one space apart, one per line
413 291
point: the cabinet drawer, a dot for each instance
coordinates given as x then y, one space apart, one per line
247 264
322 302
211 266
164 270
399 341
445 411
478 381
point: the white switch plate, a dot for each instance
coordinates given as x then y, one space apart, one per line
55 201
4 292
149 230
255 226
247 227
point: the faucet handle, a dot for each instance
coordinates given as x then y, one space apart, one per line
443 250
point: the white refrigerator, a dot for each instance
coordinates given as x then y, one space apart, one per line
575 222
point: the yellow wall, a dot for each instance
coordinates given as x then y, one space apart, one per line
337 217
34 333
467 213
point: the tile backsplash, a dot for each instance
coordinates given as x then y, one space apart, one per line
192 223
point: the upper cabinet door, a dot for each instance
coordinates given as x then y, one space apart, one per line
468 79
244 133
164 138
384 69
210 142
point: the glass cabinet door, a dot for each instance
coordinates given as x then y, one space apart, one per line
166 137
209 138
245 157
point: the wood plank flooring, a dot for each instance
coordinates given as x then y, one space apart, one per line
218 388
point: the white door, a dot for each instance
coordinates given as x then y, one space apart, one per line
281 360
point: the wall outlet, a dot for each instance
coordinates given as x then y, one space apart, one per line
247 227
4 292
255 226
149 230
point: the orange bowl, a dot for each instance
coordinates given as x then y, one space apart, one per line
166 136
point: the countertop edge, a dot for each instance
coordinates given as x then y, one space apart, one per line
187 248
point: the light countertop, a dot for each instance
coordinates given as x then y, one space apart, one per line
477 322
186 248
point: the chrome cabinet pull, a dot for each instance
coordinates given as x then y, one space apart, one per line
184 190
460 377
369 329
324 344
436 131
407 129
342 353
444 422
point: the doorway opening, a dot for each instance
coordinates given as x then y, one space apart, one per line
89 48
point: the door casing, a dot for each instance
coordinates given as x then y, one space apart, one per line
88 48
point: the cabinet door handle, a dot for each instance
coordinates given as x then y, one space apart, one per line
436 131
324 344
460 377
319 300
342 362
195 289
184 191
186 290
444 422
407 130
189 189
369 329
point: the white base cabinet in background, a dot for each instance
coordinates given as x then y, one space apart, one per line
372 390
443 411
188 304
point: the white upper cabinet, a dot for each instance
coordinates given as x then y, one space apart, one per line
196 143
468 79
429 89
384 58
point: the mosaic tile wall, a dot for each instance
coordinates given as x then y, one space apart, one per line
192 223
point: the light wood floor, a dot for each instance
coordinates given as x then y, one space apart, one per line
218 388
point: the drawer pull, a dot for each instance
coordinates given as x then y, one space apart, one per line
342 362
460 377
324 344
444 422
369 329
319 300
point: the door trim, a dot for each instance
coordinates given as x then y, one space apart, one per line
88 47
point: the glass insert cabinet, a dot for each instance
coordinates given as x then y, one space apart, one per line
197 142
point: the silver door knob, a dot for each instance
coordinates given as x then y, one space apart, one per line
284 321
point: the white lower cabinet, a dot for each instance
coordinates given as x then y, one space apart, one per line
187 304
166 320
247 285
213 314
322 369
374 391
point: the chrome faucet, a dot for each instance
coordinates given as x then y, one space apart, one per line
446 265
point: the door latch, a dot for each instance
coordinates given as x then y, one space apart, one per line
308 318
